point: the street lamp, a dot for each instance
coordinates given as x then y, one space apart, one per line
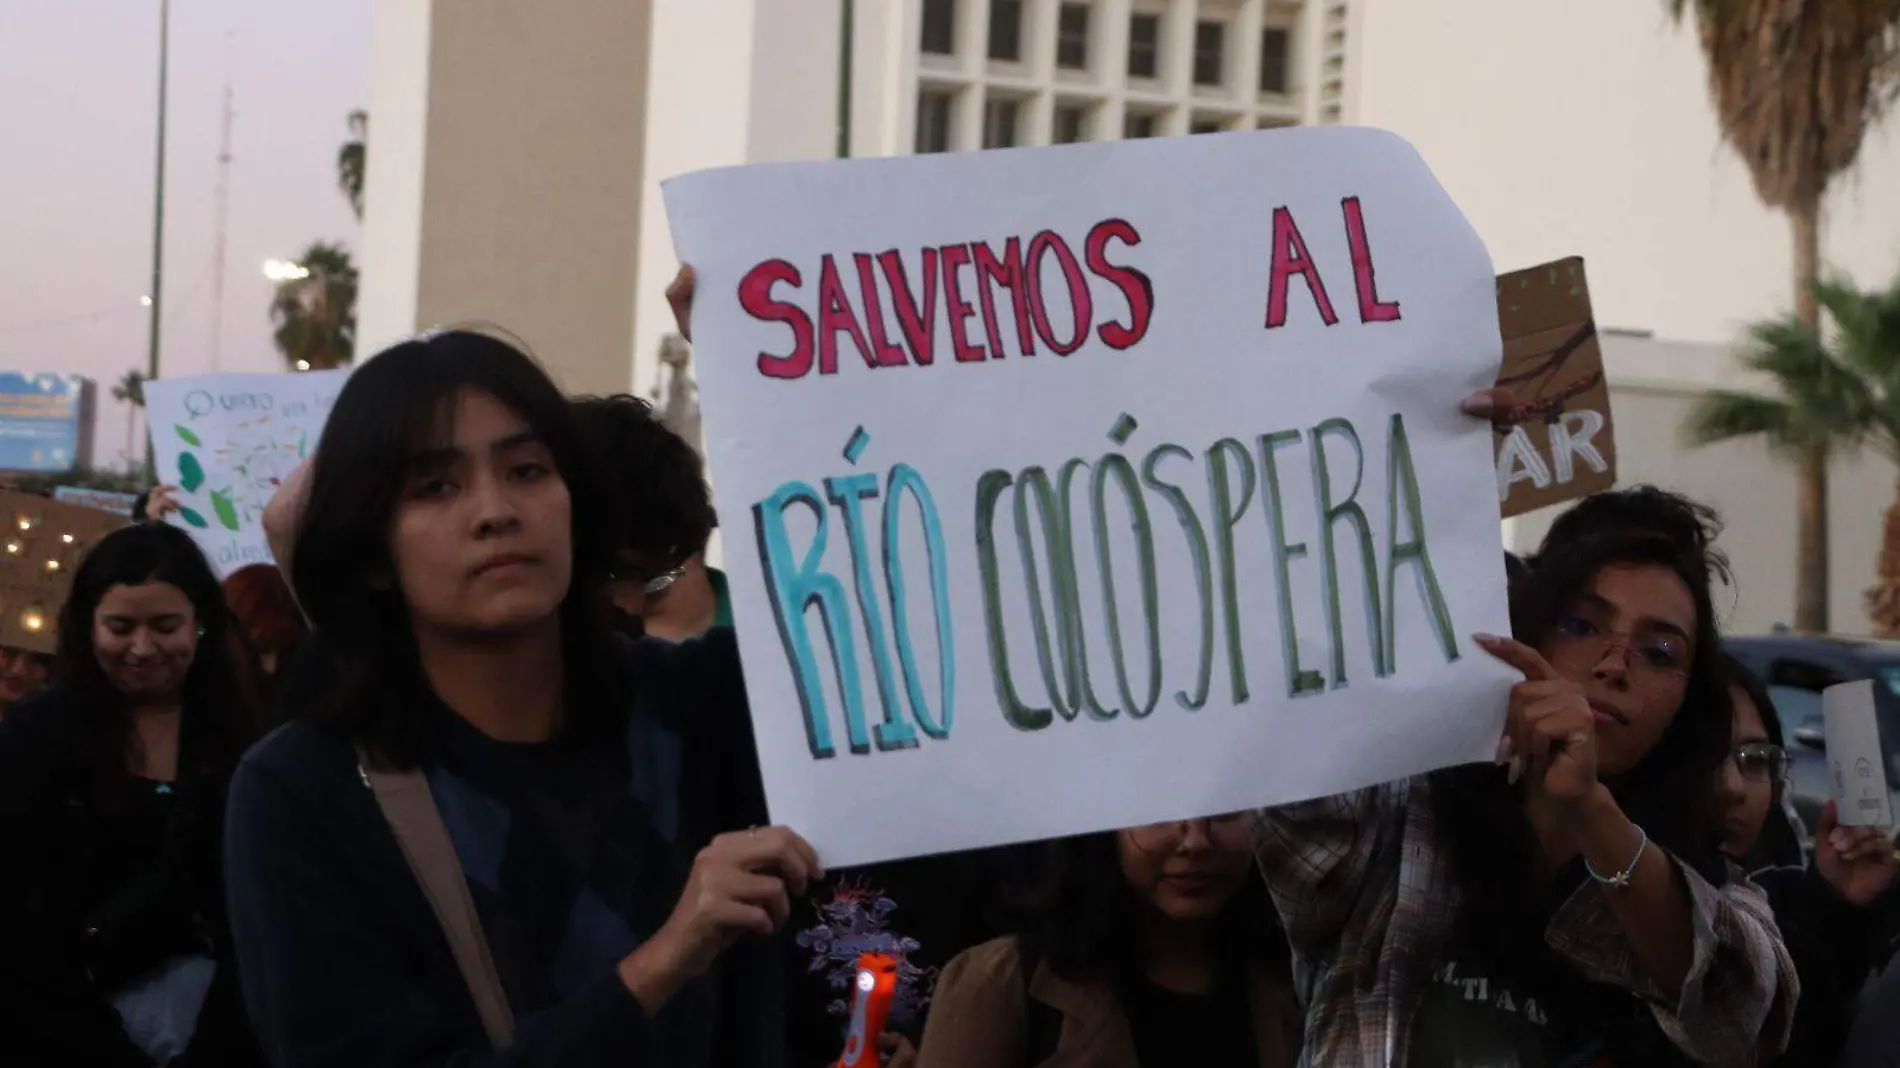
285 271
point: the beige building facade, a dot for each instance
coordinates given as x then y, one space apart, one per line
517 149
507 149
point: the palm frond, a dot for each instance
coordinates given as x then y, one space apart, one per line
1725 415
352 161
315 315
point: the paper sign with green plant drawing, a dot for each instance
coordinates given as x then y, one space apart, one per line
224 442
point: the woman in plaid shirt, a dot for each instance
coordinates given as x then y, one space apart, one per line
1572 907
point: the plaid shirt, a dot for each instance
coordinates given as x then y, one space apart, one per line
1365 889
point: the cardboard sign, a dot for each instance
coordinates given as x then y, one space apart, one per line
41 544
225 441
1854 754
1088 487
1557 444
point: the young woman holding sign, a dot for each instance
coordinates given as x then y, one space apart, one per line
517 884
1838 916
1574 909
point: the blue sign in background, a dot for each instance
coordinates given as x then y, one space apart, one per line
44 422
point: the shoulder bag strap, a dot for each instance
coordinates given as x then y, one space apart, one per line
410 809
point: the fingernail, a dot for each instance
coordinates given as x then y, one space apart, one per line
1507 750
1517 771
1839 840
1485 639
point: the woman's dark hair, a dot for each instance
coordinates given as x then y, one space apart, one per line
1672 792
1743 678
1090 924
219 714
394 406
265 609
662 505
1779 842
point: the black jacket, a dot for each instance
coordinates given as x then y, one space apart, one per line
66 944
1836 947
345 965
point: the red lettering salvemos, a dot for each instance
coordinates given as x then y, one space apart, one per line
888 355
1060 315
1136 287
834 314
755 296
954 258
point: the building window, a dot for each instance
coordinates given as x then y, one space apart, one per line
1071 124
1138 124
933 121
1072 37
1210 53
1144 46
1207 126
940 26
1006 29
999 122
1274 46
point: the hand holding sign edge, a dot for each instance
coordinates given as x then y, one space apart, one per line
1551 726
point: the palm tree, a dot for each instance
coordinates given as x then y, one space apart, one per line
316 314
130 392
352 160
1832 395
1796 84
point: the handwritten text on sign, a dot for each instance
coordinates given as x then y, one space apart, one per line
960 619
225 441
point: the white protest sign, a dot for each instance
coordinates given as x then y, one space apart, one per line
1853 752
225 441
1079 488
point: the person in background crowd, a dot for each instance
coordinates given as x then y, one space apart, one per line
1874 1040
267 613
112 784
452 551
660 484
1158 949
1574 909
22 673
1836 916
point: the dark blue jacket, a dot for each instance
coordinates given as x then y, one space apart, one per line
344 965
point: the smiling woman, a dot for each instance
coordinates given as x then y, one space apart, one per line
112 786
535 794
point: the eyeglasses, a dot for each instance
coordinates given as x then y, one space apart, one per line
1659 656
1232 833
664 581
1761 761
651 581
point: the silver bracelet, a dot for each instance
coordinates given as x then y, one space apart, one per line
1621 880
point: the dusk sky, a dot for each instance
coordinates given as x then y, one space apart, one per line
78 105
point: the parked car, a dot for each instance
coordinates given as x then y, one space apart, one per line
1796 668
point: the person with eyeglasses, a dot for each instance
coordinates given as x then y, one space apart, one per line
1837 915
1571 908
661 577
1156 948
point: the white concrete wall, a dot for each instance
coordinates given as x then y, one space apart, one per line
1564 127
701 91
1584 128
1653 386
391 257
